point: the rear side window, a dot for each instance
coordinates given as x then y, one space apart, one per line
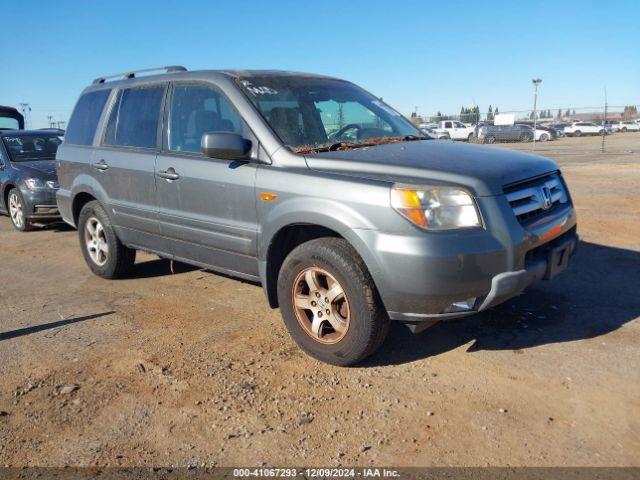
85 117
134 118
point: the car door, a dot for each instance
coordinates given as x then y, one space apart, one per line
124 164
460 131
207 206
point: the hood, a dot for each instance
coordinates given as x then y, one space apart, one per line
44 169
484 170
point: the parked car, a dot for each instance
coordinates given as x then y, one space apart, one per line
436 134
577 129
505 133
457 130
28 180
234 171
559 128
11 119
542 134
628 126
609 127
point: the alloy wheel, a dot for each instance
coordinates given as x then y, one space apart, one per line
96 241
15 210
321 305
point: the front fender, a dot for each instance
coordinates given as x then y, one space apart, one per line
326 213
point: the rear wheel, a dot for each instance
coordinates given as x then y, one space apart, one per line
17 211
329 303
525 138
624 129
489 139
104 253
470 137
577 133
544 137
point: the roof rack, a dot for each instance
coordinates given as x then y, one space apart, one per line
132 73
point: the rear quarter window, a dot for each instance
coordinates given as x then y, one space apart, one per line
134 118
85 117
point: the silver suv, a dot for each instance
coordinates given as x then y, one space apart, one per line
316 189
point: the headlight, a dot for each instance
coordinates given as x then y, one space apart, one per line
36 183
435 208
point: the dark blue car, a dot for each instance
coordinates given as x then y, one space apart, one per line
28 181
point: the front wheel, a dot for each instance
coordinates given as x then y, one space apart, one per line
489 139
329 303
104 253
544 137
624 129
525 138
577 133
17 211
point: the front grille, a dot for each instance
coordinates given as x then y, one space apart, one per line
536 197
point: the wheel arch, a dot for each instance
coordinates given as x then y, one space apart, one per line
5 194
79 201
288 237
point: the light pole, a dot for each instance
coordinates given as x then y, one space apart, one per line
536 82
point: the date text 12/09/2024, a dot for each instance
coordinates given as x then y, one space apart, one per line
316 472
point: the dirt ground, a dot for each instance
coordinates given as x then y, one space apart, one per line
192 368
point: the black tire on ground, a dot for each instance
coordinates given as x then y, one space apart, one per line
577 133
120 258
26 224
525 138
470 137
624 129
544 137
368 323
489 139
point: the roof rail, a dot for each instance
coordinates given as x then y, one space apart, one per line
132 73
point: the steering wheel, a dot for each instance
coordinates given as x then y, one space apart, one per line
346 128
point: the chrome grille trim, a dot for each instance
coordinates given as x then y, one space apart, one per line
537 197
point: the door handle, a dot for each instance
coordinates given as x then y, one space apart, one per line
101 165
169 174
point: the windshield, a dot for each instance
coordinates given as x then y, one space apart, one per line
311 114
28 148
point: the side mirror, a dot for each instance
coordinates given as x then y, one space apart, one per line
225 145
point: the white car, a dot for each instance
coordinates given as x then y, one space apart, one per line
457 130
577 129
541 134
628 126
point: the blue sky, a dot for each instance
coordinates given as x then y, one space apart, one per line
436 55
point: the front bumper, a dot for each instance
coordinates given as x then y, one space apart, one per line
426 278
40 204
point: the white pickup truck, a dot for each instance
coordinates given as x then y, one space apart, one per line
457 130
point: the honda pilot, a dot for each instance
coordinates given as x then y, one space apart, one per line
328 197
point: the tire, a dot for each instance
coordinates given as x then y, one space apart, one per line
525 138
366 324
577 133
489 139
118 259
544 137
470 137
624 129
16 209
